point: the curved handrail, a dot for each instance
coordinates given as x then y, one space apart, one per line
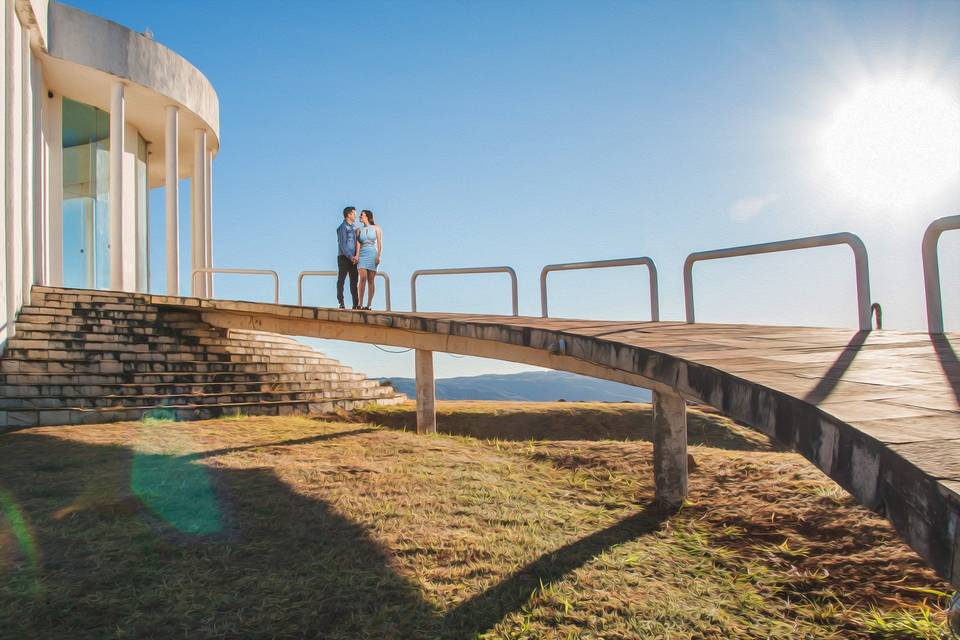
440 272
382 274
604 264
849 239
258 272
931 269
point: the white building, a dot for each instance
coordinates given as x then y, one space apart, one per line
95 115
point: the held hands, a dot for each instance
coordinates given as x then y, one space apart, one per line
354 259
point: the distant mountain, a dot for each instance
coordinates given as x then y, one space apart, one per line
536 386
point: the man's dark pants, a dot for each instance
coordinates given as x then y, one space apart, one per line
346 268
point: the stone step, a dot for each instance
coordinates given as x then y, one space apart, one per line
114 401
98 351
64 333
150 365
131 389
37 339
94 356
74 330
169 377
30 418
142 344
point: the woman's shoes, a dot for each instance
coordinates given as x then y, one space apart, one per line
365 309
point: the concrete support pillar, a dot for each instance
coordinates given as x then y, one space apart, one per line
117 133
172 199
208 221
198 199
670 448
426 393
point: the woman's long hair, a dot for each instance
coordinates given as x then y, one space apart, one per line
369 215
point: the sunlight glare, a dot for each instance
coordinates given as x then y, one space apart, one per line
893 144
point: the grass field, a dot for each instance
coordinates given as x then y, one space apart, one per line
339 528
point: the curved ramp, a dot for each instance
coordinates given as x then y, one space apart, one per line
878 412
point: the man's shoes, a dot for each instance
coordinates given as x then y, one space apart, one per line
341 306
357 307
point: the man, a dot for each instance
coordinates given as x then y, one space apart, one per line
346 260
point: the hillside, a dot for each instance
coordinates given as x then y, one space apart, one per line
532 386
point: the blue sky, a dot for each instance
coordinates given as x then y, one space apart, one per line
528 133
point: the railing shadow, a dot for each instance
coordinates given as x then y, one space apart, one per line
485 610
948 361
829 381
279 443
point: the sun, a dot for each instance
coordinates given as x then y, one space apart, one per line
893 144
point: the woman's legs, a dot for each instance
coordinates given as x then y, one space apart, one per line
371 286
360 285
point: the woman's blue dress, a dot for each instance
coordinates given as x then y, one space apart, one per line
368 248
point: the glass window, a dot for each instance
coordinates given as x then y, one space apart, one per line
86 172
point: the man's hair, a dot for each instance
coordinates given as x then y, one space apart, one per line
347 210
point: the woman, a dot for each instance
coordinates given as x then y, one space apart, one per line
369 247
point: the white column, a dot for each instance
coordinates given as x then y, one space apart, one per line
13 163
117 126
669 448
38 236
208 220
172 199
426 393
197 206
5 74
41 236
26 167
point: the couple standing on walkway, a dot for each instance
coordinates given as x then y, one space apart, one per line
359 255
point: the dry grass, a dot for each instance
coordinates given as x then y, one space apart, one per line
292 528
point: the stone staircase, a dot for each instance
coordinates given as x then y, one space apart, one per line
82 356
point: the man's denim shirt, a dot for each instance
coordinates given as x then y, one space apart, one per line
347 239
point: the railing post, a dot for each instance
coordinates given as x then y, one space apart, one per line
931 270
856 245
386 289
604 264
688 288
669 448
440 272
426 393
303 274
262 272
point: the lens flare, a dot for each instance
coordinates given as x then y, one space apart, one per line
174 487
20 562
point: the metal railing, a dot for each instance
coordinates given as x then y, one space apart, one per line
849 239
257 272
931 269
604 264
386 283
441 272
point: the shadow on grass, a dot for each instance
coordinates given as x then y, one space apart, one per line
278 564
486 609
572 422
280 443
